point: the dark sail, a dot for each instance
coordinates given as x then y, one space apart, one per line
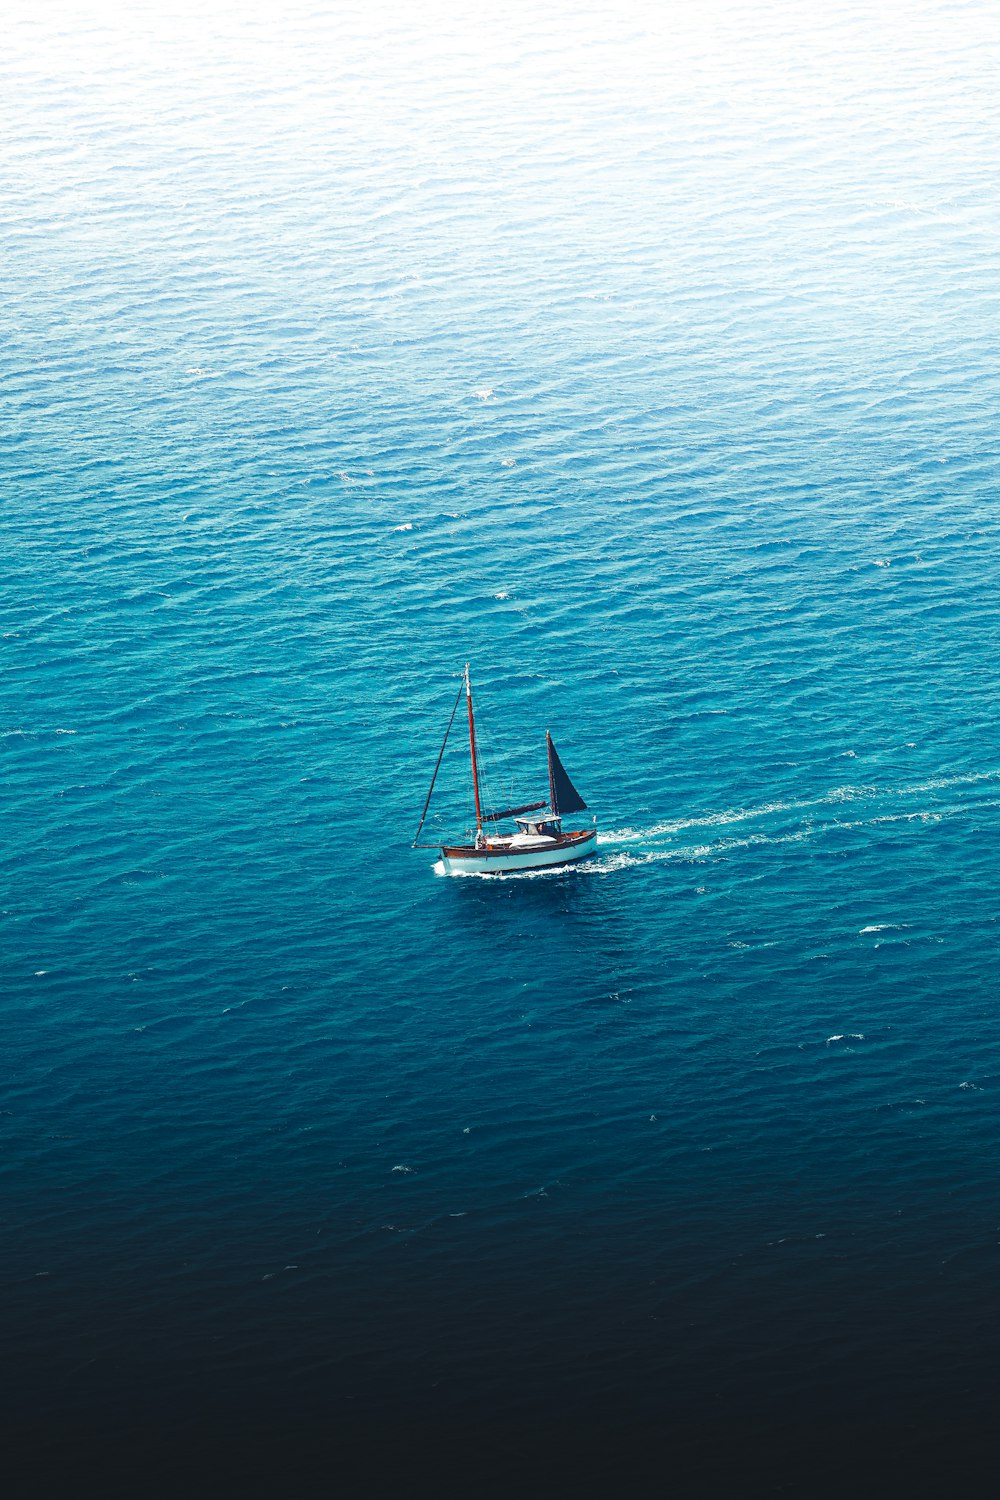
563 795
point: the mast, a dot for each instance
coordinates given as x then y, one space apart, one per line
472 748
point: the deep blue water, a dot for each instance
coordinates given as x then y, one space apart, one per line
652 367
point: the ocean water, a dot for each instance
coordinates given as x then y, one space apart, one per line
650 363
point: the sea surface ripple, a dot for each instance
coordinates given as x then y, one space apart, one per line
650 364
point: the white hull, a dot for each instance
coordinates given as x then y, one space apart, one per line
543 854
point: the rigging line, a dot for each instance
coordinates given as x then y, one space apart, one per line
437 768
491 767
487 763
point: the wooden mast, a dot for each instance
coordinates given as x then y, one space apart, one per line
472 747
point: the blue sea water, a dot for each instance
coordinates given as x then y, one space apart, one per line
650 362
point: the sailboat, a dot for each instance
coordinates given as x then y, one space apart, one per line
539 842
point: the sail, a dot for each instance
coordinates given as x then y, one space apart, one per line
563 795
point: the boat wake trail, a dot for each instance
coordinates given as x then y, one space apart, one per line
796 821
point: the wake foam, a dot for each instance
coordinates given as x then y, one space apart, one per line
812 816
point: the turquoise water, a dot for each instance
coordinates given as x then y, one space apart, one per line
652 368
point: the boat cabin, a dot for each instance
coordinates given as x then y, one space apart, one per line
545 825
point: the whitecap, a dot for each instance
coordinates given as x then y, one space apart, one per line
483 392
406 526
508 463
402 1168
503 594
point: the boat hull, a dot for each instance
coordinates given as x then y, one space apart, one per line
500 859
